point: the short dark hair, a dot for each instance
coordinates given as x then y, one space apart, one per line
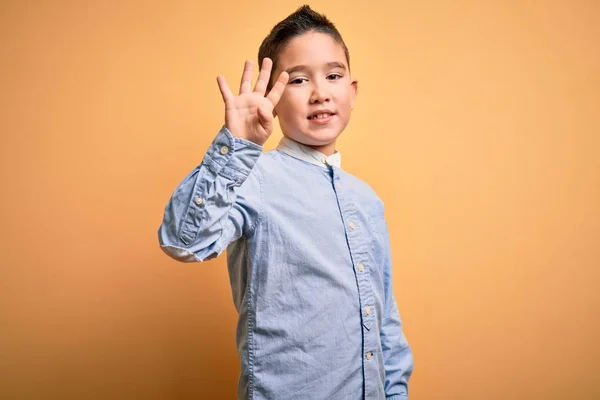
302 21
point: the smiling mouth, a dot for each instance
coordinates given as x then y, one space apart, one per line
320 116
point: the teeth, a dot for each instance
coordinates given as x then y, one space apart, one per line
319 116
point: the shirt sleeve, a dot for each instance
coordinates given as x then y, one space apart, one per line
397 354
217 203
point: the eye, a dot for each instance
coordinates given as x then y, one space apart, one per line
334 77
297 81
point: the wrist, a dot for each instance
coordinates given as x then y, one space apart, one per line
256 139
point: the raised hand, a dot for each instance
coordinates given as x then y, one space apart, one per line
250 114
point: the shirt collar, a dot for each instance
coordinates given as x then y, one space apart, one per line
308 154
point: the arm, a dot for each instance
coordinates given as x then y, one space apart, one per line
397 355
220 201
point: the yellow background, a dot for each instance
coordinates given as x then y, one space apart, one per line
477 122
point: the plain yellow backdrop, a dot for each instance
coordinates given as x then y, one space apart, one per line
477 123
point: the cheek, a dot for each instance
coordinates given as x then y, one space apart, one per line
288 106
346 101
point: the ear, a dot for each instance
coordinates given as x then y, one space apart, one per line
354 85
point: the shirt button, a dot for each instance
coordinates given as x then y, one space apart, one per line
367 310
351 225
369 355
361 268
338 186
199 201
224 150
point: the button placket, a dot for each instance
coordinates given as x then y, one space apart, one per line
357 243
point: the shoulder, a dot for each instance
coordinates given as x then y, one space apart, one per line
269 159
267 163
276 164
274 168
366 200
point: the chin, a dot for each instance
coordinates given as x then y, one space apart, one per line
315 139
308 141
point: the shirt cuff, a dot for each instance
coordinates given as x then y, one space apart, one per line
232 157
397 397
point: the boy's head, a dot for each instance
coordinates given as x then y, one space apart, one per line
315 106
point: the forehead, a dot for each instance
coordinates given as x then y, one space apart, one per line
311 49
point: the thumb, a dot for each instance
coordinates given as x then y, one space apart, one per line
265 117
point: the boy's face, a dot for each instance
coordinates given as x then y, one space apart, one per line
315 106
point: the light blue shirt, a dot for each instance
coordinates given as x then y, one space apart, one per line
309 265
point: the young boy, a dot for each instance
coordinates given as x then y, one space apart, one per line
307 244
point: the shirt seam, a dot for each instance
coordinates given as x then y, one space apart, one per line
250 328
250 294
261 206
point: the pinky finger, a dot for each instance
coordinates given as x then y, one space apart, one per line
278 88
224 88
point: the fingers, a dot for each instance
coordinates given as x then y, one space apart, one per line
278 88
224 88
263 77
261 84
246 84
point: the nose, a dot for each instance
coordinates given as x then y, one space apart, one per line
319 93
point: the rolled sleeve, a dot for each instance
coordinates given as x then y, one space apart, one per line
204 215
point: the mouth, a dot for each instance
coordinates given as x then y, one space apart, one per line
321 115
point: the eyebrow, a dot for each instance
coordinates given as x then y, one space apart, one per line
333 64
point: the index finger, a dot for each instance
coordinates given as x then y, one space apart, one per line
224 88
277 91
